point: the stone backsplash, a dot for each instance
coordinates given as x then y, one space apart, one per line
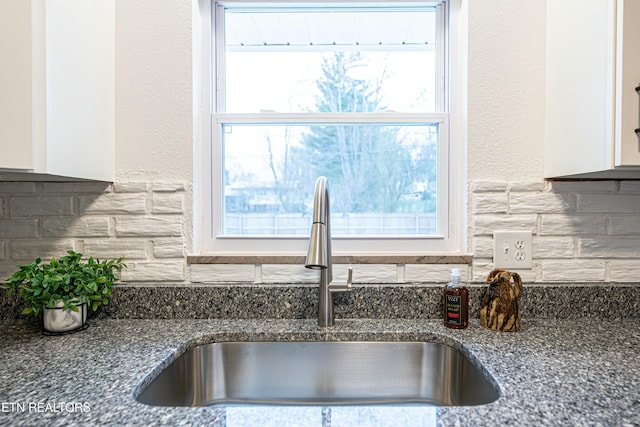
583 232
397 301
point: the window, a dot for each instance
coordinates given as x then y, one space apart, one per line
357 92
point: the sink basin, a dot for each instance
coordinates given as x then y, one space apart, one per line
320 373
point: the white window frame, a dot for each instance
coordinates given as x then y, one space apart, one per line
208 154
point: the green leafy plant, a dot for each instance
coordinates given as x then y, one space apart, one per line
68 279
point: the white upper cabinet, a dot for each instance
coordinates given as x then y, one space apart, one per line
57 89
592 107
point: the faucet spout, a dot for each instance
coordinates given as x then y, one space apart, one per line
319 254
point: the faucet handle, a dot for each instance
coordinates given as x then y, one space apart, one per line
342 286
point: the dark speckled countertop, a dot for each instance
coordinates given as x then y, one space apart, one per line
553 372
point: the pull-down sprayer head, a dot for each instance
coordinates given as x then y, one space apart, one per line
318 256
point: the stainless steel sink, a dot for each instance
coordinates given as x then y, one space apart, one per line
320 373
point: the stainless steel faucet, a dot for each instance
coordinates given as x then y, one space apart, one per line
319 254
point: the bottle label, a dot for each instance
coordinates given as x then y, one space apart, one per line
453 309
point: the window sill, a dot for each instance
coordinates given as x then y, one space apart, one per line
337 259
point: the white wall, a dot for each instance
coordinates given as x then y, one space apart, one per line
154 90
154 121
506 90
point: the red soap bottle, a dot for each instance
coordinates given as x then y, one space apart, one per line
456 302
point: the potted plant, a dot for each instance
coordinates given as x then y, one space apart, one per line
62 289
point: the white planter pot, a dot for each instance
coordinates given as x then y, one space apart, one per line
57 319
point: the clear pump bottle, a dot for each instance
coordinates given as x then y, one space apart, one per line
456 302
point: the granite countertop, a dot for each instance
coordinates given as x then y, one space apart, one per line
552 372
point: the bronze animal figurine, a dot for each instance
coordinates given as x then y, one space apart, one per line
499 310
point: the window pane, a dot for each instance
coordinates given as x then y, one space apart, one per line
284 59
382 178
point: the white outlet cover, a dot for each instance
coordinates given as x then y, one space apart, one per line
512 250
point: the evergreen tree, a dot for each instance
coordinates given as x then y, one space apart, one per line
368 169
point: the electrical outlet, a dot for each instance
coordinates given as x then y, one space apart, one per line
512 249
